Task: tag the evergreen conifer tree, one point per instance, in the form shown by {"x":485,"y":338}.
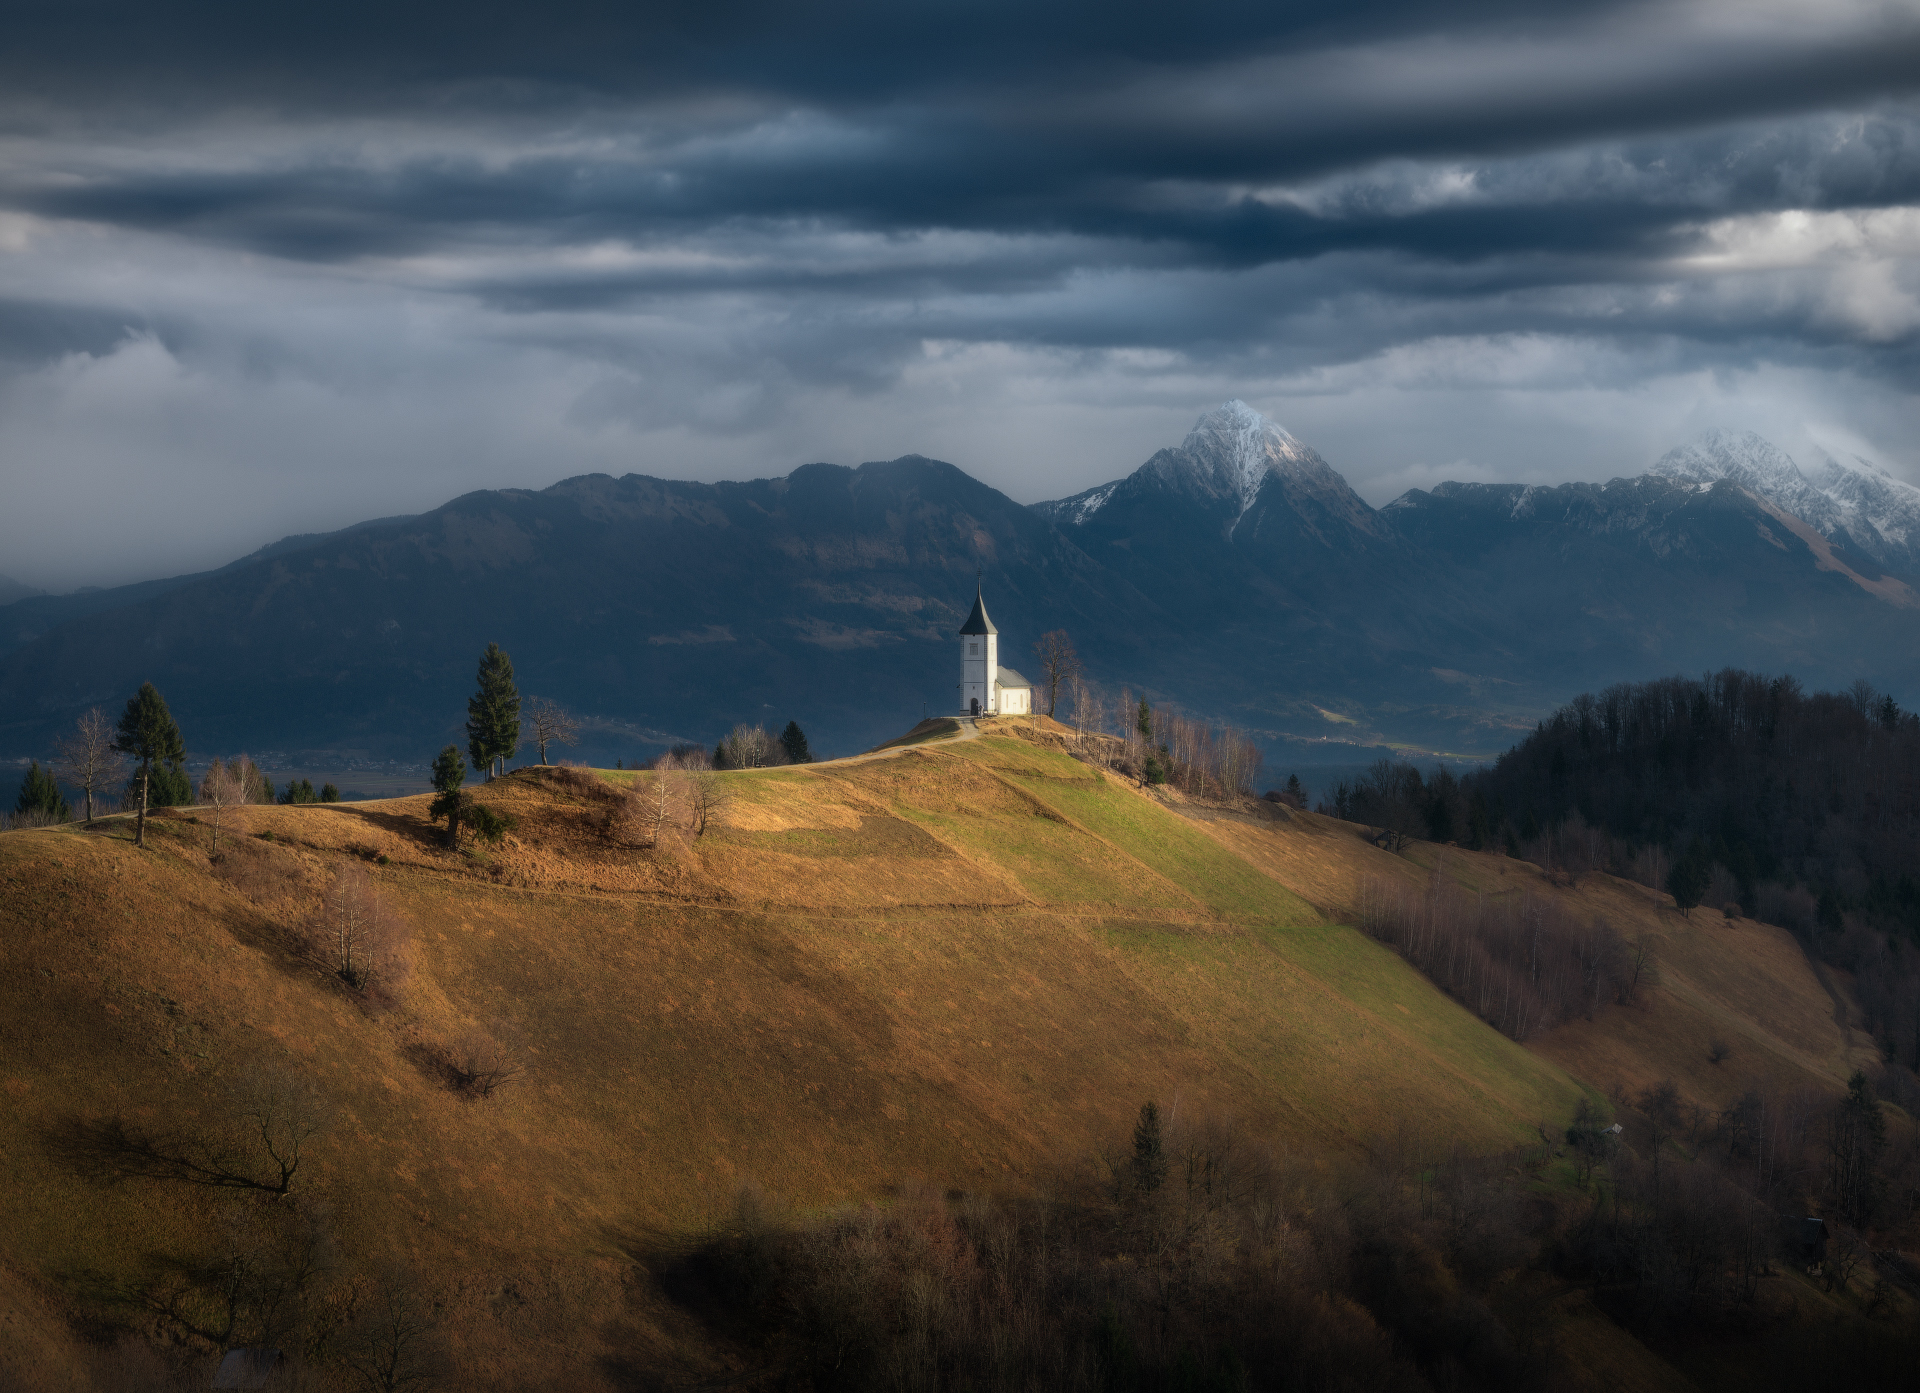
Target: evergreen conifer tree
{"x":171,"y":787}
{"x":1149,"y":1150}
{"x":330,"y":794}
{"x":794,"y":741}
{"x":1687,"y":881}
{"x":40,"y":793}
{"x":493,"y":713}
{"x":720,"y":755}
{"x":149,"y":733}
{"x":448,"y":774}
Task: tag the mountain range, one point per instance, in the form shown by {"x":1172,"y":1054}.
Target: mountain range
{"x":1237,"y":574}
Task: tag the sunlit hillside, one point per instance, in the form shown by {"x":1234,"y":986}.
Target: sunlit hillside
{"x":959,"y":962}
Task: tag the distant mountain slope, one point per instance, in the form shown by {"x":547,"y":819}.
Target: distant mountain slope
{"x":1447,"y":613}
{"x":11,"y":590}
{"x":657,"y":610}
{"x":1236,"y":573}
{"x":1649,"y":575}
{"x":41,"y":613}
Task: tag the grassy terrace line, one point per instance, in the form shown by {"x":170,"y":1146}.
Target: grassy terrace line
{"x":955,"y":965}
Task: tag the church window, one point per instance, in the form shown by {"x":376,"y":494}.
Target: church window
{"x":973,"y":649}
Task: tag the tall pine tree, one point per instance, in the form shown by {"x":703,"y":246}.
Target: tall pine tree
{"x":149,"y":733}
{"x":493,"y":713}
{"x":794,"y":741}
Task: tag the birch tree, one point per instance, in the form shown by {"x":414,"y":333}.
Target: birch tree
{"x":88,"y":759}
{"x":224,"y":787}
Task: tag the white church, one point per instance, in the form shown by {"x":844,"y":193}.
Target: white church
{"x":986,"y":688}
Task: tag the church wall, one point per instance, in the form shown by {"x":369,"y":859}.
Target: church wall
{"x":979,"y":660}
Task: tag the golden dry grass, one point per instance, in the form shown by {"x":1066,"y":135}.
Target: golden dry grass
{"x":963,"y":963}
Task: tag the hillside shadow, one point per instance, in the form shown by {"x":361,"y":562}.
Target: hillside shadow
{"x":113,"y":1149}
{"x":718,"y":1285}
{"x":402,"y":825}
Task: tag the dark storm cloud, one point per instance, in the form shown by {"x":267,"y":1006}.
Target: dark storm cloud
{"x":259,"y":237}
{"x":1640,"y":200}
{"x":393,"y":56}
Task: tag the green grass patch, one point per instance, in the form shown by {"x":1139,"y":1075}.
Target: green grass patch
{"x":1150,"y":834}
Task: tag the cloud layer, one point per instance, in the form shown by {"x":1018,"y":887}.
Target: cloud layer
{"x":265,"y":273}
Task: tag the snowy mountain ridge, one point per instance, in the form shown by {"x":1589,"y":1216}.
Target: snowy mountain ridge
{"x":1854,"y":500}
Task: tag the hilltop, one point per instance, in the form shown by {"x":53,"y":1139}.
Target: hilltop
{"x":963,"y":962}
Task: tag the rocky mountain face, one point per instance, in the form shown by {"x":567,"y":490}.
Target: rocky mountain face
{"x":1868,"y":515}
{"x":1236,"y":573}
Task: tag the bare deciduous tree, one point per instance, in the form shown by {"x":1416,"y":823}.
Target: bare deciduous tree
{"x":486,"y":1057}
{"x":708,"y":796}
{"x":551,"y":725}
{"x":1058,"y":662}
{"x":257,"y":786}
{"x":224,"y":787}
{"x":663,"y":797}
{"x":88,"y":758}
{"x":1640,"y":970}
{"x":357,"y":936}
{"x":752,"y":747}
{"x":391,"y":1345}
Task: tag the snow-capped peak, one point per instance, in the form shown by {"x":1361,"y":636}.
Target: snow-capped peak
{"x":1229,"y":456}
{"x":1855,"y":499}
{"x":1235,"y":448}
{"x":1750,"y":460}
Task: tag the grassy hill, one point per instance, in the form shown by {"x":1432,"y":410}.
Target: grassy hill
{"x":955,"y":963}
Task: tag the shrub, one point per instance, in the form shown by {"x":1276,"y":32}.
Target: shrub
{"x":484,"y":1059}
{"x":489,"y":826}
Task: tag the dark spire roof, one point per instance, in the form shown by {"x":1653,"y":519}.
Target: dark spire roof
{"x":977,"y":622}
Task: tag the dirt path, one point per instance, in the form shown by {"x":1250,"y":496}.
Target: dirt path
{"x":968,"y":731}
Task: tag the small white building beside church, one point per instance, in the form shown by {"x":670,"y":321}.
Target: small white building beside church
{"x":986,"y":688}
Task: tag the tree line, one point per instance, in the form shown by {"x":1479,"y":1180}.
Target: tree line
{"x":1159,"y":744}
{"x":1737,"y":790}
{"x":1524,"y":965}
{"x":1188,"y":1257}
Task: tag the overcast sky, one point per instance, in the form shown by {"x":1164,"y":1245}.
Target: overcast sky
{"x":266,"y":272}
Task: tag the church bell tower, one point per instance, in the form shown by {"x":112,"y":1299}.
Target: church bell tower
{"x":979,"y":660}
